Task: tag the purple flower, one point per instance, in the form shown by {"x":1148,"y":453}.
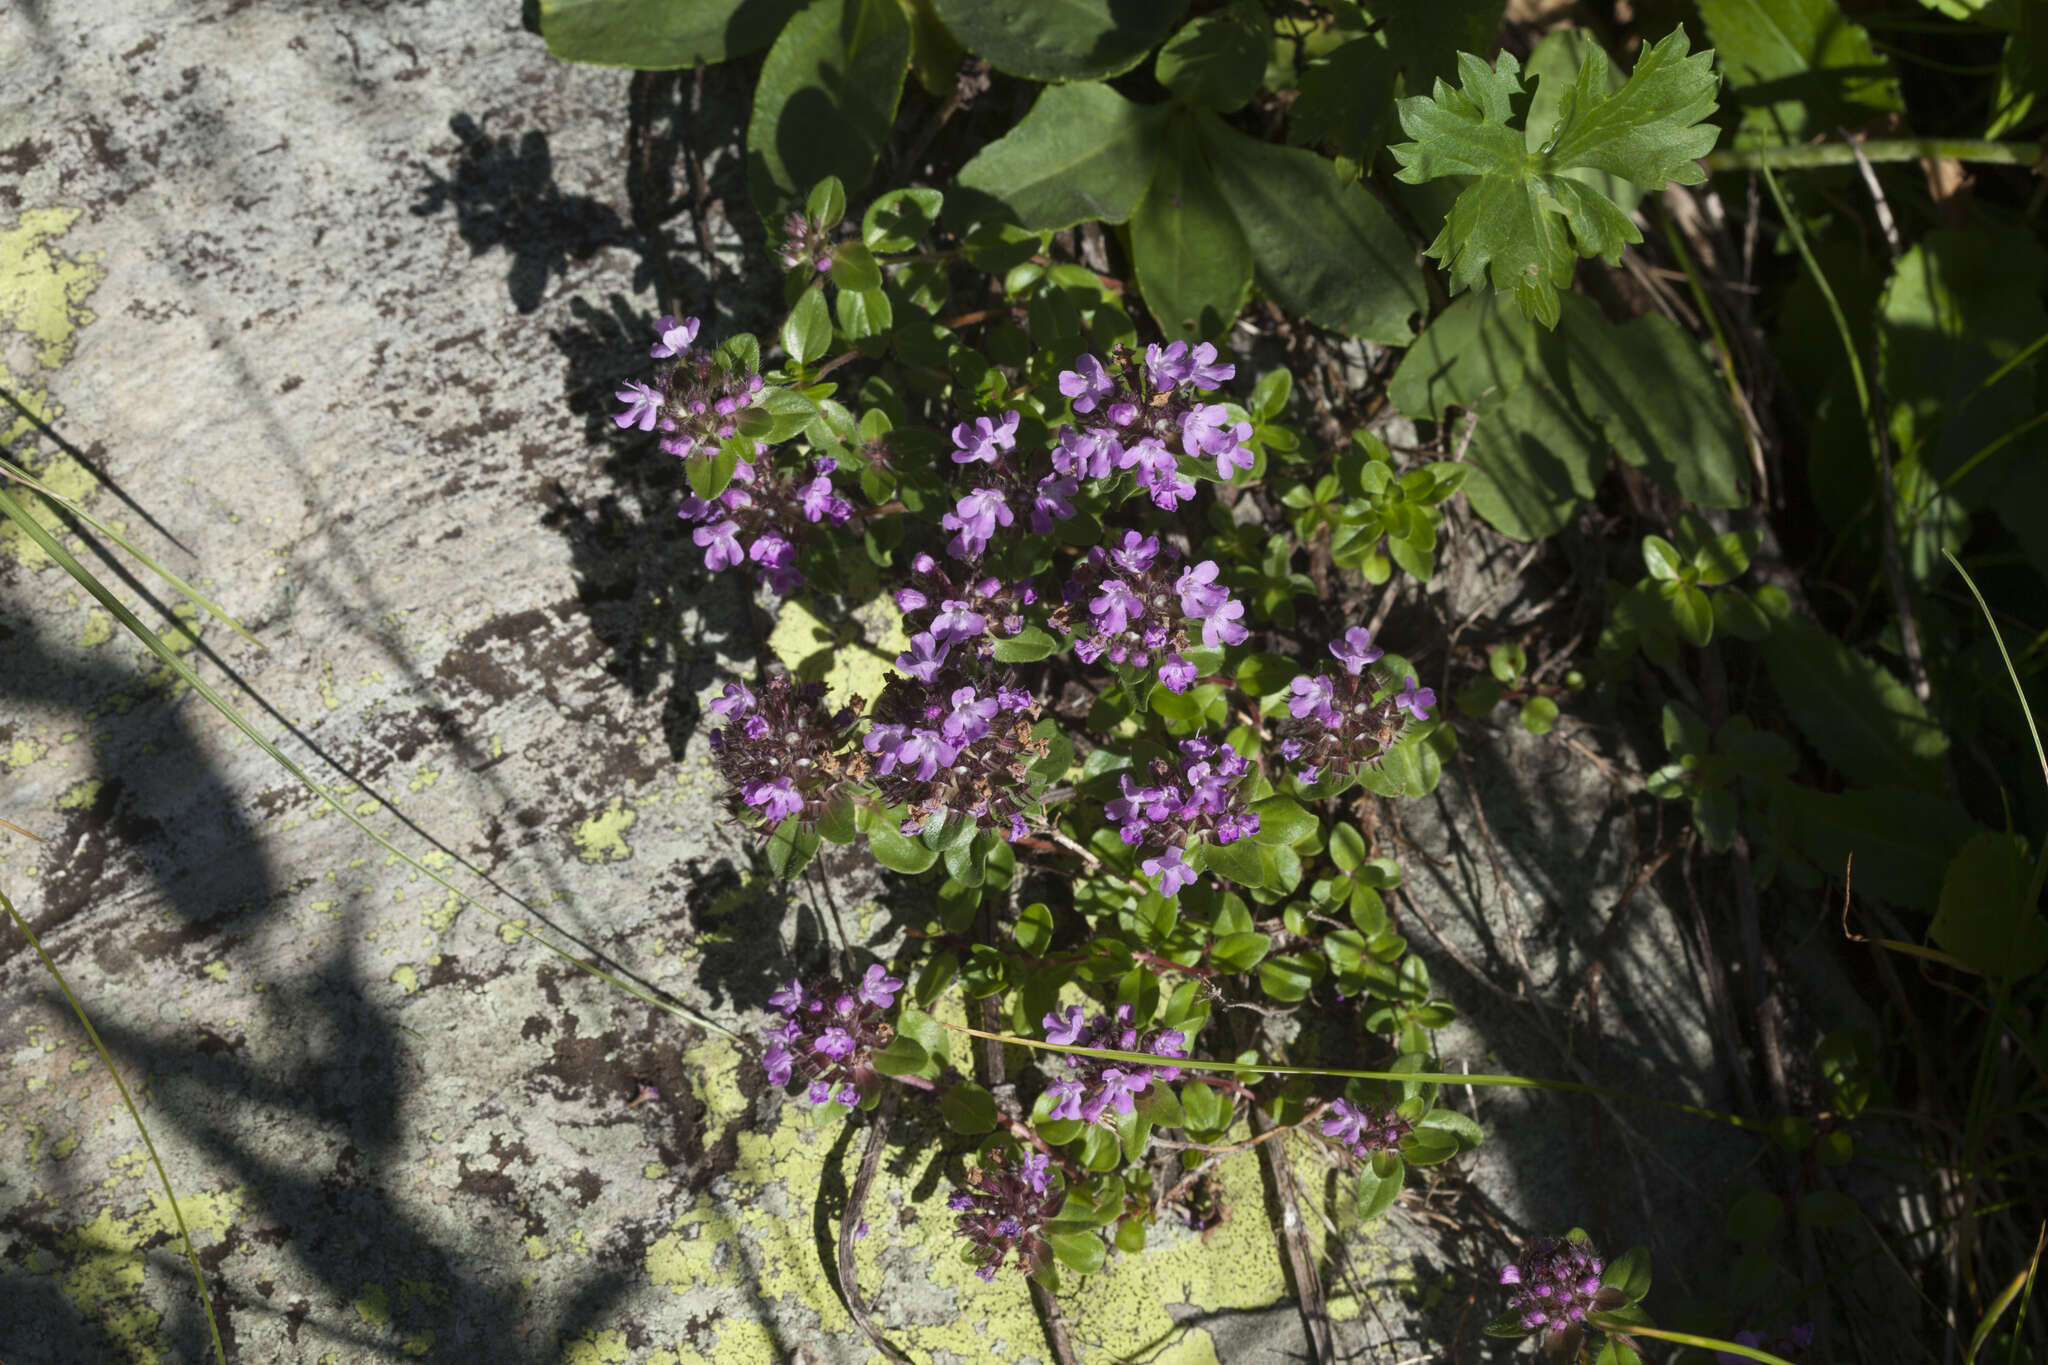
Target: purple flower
{"x":969,"y":718}
{"x":1173,"y":873}
{"x":1038,"y":1171}
{"x":1206,"y":373}
{"x":821,"y":503}
{"x":1064,"y":1026}
{"x":1199,"y":594}
{"x":1364,"y":1132}
{"x":1556,"y":1282}
{"x":1115,"y":607}
{"x":878,"y":988}
{"x":778,"y":800}
{"x":957,"y":621}
{"x":1356,"y":650}
{"x":834,"y":1042}
{"x":1049,"y":502}
{"x":736,"y":701}
{"x":1311,"y":697}
{"x":779,"y":1062}
{"x":672,"y":338}
{"x":772,"y":550}
{"x":1416,"y":701}
{"x":1221,"y":627}
{"x":721,"y":544}
{"x":1231,"y":453}
{"x":643,"y":406}
{"x":1205,"y":429}
{"x":1134,"y":553}
{"x":1067,"y":1096}
{"x":925,"y":750}
{"x":926,"y":657}
{"x":975,"y":517}
{"x":1087,"y":454}
{"x":983,"y":439}
{"x":1177,"y":674}
{"x":790,"y":998}
{"x":1086,"y":383}
{"x":1168,"y":366}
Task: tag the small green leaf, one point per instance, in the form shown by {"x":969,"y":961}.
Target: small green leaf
{"x":1376,"y":1191}
{"x":1735,"y":614}
{"x":1282,"y":821}
{"x":1754,"y":1216}
{"x":904,"y":1056}
{"x":898,"y":220}
{"x":1692,"y":614}
{"x":1027,"y":646}
{"x":1241,"y":952}
{"x":854,"y":268}
{"x":1238,"y":862}
{"x":1347,"y":847}
{"x":1507,"y":662}
{"x":1539,"y":715}
{"x":968,"y":1108}
{"x":1288,"y":979}
{"x":1661,"y":558}
{"x":1034,"y":928}
{"x":1629,"y":1273}
{"x":826,"y":203}
{"x":864,"y":313}
{"x":1071,"y":40}
{"x":808,"y":330}
{"x":1080,"y":1252}
{"x":899,"y":854}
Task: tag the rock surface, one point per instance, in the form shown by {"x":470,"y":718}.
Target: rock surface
{"x":322,"y":303}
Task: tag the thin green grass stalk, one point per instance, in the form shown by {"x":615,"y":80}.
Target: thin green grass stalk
{"x":2012,"y":1353}
{"x":199,"y":599}
{"x":1996,"y":1309}
{"x":177,"y":1214}
{"x":1427,"y":1077}
{"x":2025,"y":354}
{"x":12,"y":509}
{"x":1806,"y":158}
{"x":2040,"y":754}
{"x":1736,"y":1348}
{"x":1992,"y":447}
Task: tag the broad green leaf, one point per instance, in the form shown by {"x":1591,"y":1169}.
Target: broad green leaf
{"x":1347,"y":100}
{"x":1535,"y":459}
{"x":1629,"y":1273}
{"x":1060,"y":40}
{"x":2022,"y":73}
{"x":1282,"y":820}
{"x":1427,"y":38}
{"x":1217,"y":60}
{"x":1649,"y":388}
{"x":899,"y":854}
{"x":1958,"y":307}
{"x":1083,"y":152}
{"x":826,"y":203}
{"x":1288,"y":979}
{"x":1323,"y":246}
{"x":1080,"y":1252}
{"x":1474,"y":354}
{"x":1902,"y":842}
{"x":1194,"y":264}
{"x":904,"y":1056}
{"x":1027,"y":646}
{"x":1983,"y":917}
{"x":791,"y":848}
{"x":826,"y":98}
{"x":1238,"y":862}
{"x":660,"y":35}
{"x":1798,"y":67}
{"x":1241,"y":952}
{"x":1522,"y":223}
{"x":1692,"y":613}
{"x":1859,"y":716}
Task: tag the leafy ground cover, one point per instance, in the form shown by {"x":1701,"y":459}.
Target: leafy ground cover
{"x":1145,"y":384}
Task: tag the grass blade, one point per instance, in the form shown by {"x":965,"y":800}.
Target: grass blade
{"x":191,"y":1256}
{"x":14,"y":511}
{"x":199,"y":599}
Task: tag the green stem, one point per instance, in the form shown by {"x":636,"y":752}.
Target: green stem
{"x":1806,"y":158}
{"x":178,"y":1215}
{"x":1624,"y":1328}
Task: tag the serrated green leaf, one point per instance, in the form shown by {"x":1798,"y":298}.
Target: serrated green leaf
{"x":826,"y":98}
{"x":1853,"y":710}
{"x":1902,"y":841}
{"x":1083,"y":152}
{"x":1522,"y":223}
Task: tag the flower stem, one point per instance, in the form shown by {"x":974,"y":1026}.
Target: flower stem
{"x":1882,"y":149}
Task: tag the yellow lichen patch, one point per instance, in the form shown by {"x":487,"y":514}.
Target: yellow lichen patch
{"x":596,"y":1348}
{"x":23,"y":752}
{"x":407,"y":978}
{"x":81,"y":796}
{"x":602,"y":838}
{"x":373,"y":1306}
{"x":852,"y":657}
{"x":103,"y":1264}
{"x":99,"y":628}
{"x":42,"y":291}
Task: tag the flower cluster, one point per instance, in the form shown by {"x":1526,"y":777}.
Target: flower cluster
{"x":952,"y":734}
{"x":1095,"y":1086}
{"x":961,"y":609}
{"x":828,"y":1034}
{"x":1363,"y":1131}
{"x":1145,"y":419}
{"x":1005,"y":1208}
{"x":697,"y":403}
{"x":805,"y":241}
{"x":1201,"y":796}
{"x":762,"y":516}
{"x":1006,"y":484}
{"x":784,"y":753}
{"x":1555,"y":1284}
{"x":1339,"y":725}
{"x":1135,"y":603}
